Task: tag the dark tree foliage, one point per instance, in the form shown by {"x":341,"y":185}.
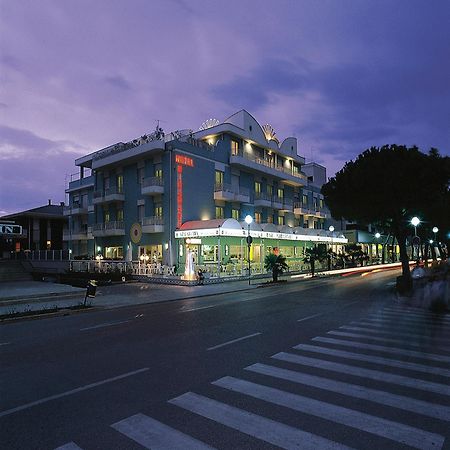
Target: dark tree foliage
{"x":387,"y":186}
{"x":313,"y":254}
{"x":276,"y":263}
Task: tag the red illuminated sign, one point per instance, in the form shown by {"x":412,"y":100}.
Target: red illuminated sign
{"x":184,"y":160}
{"x":179,"y":196}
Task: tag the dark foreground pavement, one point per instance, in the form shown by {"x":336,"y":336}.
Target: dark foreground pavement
{"x":331,"y":363}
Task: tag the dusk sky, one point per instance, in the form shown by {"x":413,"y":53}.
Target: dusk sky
{"x":341,"y":76}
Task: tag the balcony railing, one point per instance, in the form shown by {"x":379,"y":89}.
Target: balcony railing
{"x":154,"y":224}
{"x":75,"y":209}
{"x":302,"y":179}
{"x":227,"y":192}
{"x":152,"y":186}
{"x":263,"y":199}
{"x":115,"y":228}
{"x":112,"y":194}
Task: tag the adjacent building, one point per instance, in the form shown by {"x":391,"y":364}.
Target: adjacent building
{"x":162,"y":195}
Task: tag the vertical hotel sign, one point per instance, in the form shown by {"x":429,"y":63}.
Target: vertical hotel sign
{"x":180,"y":161}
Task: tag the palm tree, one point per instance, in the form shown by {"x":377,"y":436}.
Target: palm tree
{"x":313,"y":254}
{"x":276,"y":264}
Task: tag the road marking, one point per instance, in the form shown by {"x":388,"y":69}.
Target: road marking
{"x":430,"y":339}
{"x":417,"y":313}
{"x":404,"y":323}
{"x":155,"y":435}
{"x":376,"y":375}
{"x":199,"y":308}
{"x":71,"y":392}
{"x":251,"y":424}
{"x":102,"y":325}
{"x":353,"y":390}
{"x":233,"y":341}
{"x":374,"y":359}
{"x":382,"y":348}
{"x":69,"y":446}
{"x":416,"y":318}
{"x":377,"y":339}
{"x":310,"y":317}
{"x":394,"y":431}
{"x":5,"y":343}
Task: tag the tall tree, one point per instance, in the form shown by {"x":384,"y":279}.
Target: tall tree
{"x":387,"y":186}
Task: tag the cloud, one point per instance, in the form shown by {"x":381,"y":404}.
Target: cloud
{"x":118,"y":82}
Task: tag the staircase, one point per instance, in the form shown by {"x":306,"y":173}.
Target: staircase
{"x":13,"y":271}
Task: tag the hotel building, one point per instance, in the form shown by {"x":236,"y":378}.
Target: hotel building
{"x":163,"y":194}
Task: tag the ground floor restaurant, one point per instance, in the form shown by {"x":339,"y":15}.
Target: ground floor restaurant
{"x":220,"y":248}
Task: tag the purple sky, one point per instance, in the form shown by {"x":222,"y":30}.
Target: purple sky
{"x":341,"y":75}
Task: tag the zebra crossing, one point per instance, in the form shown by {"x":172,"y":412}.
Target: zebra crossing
{"x":380,"y":382}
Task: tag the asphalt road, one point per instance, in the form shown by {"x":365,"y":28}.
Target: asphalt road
{"x":221,"y":372}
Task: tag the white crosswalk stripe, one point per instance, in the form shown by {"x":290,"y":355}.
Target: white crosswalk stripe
{"x":384,"y":349}
{"x":69,"y":446}
{"x":287,"y":390}
{"x":355,"y":419}
{"x":379,"y":329}
{"x":416,"y":325}
{"x":353,"y":390}
{"x":417,"y":312}
{"x":259,"y":427}
{"x":155,"y":435}
{"x":376,"y":375}
{"x":373,"y":359}
{"x":407,"y":318}
{"x":406,"y":342}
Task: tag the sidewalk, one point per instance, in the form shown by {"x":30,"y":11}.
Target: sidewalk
{"x":36,"y":295}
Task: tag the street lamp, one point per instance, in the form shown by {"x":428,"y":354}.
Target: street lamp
{"x":248,"y":220}
{"x":415,"y":222}
{"x":377,"y":236}
{"x":331,"y":228}
{"x":435,"y":230}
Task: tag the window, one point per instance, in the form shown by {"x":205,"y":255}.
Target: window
{"x":305,"y":200}
{"x":158,"y":210}
{"x":315,"y":203}
{"x":257,"y":217}
{"x":114,"y":252}
{"x":257,"y":187}
{"x":219,"y":212}
{"x":305,"y":224}
{"x":76,"y":200}
{"x":280,"y":220}
{"x":270,"y":218}
{"x":106,"y":183}
{"x":280,"y":193}
{"x":234,"y":147}
{"x":219,"y":178}
{"x":235,"y":214}
{"x":269,"y":190}
{"x":140,"y":175}
{"x":119,"y":184}
{"x":210,"y":252}
{"x":158,"y":171}
{"x":141,"y":212}
{"x":321,"y":203}
{"x":120,"y":215}
{"x":106,"y":216}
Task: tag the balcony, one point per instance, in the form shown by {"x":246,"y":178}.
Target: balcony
{"x":287,"y":206}
{"x":76,"y":209}
{"x":301,"y":209}
{"x":105,"y":229}
{"x":108,"y":196}
{"x":322,"y":214}
{"x":261,"y":165}
{"x":277,"y":203}
{"x":78,"y":235}
{"x":262,"y":199}
{"x":228,"y":193}
{"x":81,"y":183}
{"x":153,"y":224}
{"x":152,"y":186}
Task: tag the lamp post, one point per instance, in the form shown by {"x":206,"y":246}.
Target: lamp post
{"x":248,"y":220}
{"x":435,"y":230}
{"x":415,"y":221}
{"x":377,"y":236}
